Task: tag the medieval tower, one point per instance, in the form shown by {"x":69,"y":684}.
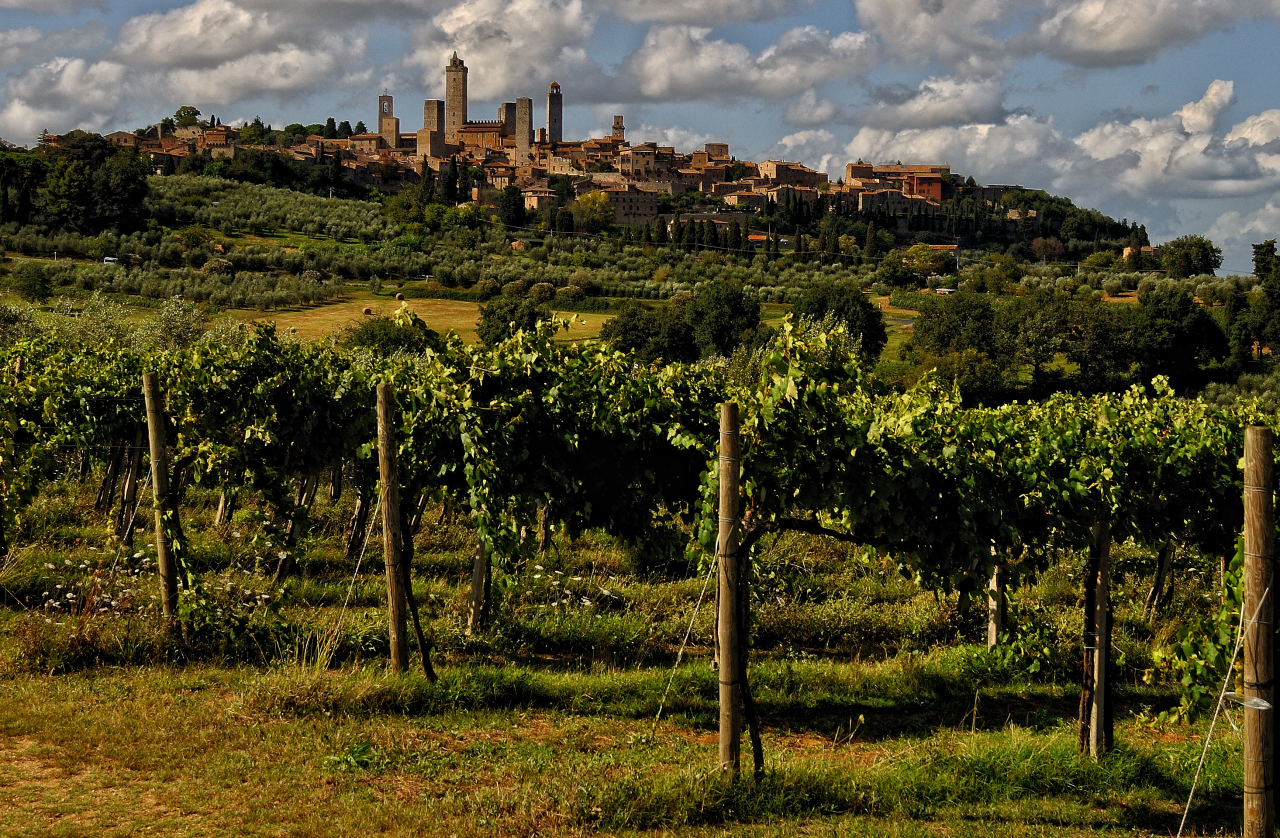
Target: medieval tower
{"x":555,"y":113}
{"x":388,"y":125}
{"x":524,"y":127}
{"x":455,"y":98}
{"x":619,"y":130}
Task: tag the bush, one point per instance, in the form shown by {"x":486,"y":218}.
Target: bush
{"x":31,"y":282}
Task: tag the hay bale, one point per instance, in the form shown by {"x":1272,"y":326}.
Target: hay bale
{"x":368,"y":311}
{"x":399,"y":296}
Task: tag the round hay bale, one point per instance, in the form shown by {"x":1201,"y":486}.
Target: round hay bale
{"x":399,"y":296}
{"x":368,"y":311}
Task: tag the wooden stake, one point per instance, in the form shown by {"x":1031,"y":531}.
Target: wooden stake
{"x":997,"y":607}
{"x":160,"y":491}
{"x":129,"y":491}
{"x":392,"y":546}
{"x":1259,"y":635}
{"x":1100,"y":717}
{"x":727,"y":587}
{"x":481,"y":583}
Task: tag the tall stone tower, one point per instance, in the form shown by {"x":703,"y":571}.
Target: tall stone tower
{"x":455,"y":98}
{"x":555,"y":113}
{"x":431,"y":137}
{"x":433,"y":115}
{"x":507,"y":116}
{"x":388,"y":125}
{"x":619,"y":130}
{"x":524,"y":127}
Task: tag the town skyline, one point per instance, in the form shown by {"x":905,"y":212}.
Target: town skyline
{"x":1163,"y":112}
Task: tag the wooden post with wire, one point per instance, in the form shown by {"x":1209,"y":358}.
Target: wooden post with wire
{"x":1257,"y":612}
{"x":392,"y":544}
{"x":166,"y":565}
{"x":728,"y":620}
{"x":1100,"y":711}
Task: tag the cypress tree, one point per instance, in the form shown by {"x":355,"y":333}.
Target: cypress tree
{"x":660,"y":234}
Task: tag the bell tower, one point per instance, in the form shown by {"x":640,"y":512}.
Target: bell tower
{"x":455,"y":99}
{"x":388,"y":124}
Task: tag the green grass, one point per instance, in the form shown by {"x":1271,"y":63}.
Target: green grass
{"x":881,"y":715}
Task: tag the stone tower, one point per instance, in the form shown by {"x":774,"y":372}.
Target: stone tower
{"x":433,"y":115}
{"x":507,"y":116}
{"x":524,"y":128}
{"x":388,"y":125}
{"x":619,"y":130}
{"x":455,"y":98}
{"x":555,"y":113}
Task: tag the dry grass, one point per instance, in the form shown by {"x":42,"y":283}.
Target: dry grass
{"x":457,"y":316}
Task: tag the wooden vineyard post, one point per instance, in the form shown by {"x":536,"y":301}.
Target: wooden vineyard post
{"x":1257,"y":612}
{"x":1100,"y":717}
{"x":997,"y":607}
{"x":160,"y":491}
{"x":729,"y":579}
{"x":481,"y":584}
{"x":392,"y":547}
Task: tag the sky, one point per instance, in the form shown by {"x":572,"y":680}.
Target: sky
{"x":1160,"y":111}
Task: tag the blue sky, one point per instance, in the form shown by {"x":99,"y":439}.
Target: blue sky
{"x":1163,"y":111}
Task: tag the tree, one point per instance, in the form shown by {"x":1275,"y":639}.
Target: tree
{"x":1190,"y":256}
{"x":94,"y":185}
{"x":723,"y":317}
{"x":31,"y":281}
{"x":345,"y":130}
{"x":186,"y":117}
{"x":330,"y":129}
{"x":511,"y":206}
{"x":923,"y":261}
{"x":359,"y":129}
{"x":894,"y":271}
{"x":664,"y":334}
{"x":505,"y":315}
{"x":386,"y":336}
{"x":1173,"y":335}
{"x":847,"y":302}
{"x":564,"y":220}
{"x":592,"y":213}
{"x":1264,"y":259}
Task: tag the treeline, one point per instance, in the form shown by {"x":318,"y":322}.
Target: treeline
{"x":1053,"y":338}
{"x":84,"y":185}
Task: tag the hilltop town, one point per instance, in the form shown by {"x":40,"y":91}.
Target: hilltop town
{"x":512,"y":151}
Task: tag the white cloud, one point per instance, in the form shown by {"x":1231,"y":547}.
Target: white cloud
{"x":1112,"y":33}
{"x":944,"y":101}
{"x":810,"y":110}
{"x":1201,"y":117}
{"x":683,"y":139}
{"x":22,"y":46}
{"x":63,"y":94}
{"x":510,"y":46}
{"x":682,"y":63}
{"x":1260,"y":129}
{"x":1235,"y":230}
{"x":982,"y":36}
{"x":709,"y":12}
{"x":1143,"y":158}
{"x":284,"y":71}
{"x":957,"y":33}
{"x":818,"y":149}
{"x":204,"y":34}
{"x":53,"y":6}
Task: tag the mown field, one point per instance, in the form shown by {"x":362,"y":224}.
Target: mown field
{"x":883,"y":714}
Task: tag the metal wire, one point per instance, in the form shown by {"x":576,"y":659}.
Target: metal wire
{"x":680,"y":655}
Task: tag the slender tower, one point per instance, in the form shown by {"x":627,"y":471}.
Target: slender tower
{"x":388,"y":124}
{"x":555,"y":113}
{"x":619,"y":130}
{"x":524,"y":128}
{"x":455,"y":99}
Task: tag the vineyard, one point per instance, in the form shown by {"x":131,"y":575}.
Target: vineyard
{"x":266,"y":524}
